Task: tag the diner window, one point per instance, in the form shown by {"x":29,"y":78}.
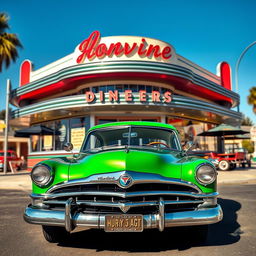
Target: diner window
{"x":104,"y":121}
{"x":126,"y":86}
{"x":61,"y":133}
{"x":47,"y":144}
{"x":48,"y":137}
{"x":148,"y":89}
{"x":57,"y":133}
{"x":188,"y":131}
{"x":134,"y":87}
{"x":95,"y":89}
{"x":120,"y":88}
{"x":142,"y":87}
{"x":103,"y":88}
{"x":110,"y":88}
{"x":35,"y":143}
{"x":78,"y":127}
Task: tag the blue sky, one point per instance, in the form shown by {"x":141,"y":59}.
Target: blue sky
{"x":205,"y":32}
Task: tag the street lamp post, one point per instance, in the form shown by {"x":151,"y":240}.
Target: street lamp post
{"x":8,"y":87}
{"x":236,"y":77}
{"x":239,"y":60}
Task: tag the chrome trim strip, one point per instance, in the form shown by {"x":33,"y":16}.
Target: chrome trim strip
{"x":78,"y":101}
{"x":189,"y":218}
{"x":118,"y":66}
{"x":129,"y":66}
{"x":123,"y":194}
{"x":113,"y":178}
{"x":128,"y":204}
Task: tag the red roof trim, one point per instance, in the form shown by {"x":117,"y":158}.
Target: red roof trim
{"x":179,"y":83}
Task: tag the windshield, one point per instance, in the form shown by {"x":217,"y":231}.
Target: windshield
{"x":147,"y":137}
{"x":2,"y":154}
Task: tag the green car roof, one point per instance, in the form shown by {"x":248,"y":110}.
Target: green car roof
{"x":136,"y":123}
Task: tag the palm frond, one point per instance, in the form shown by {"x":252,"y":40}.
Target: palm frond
{"x":3,"y":22}
{"x":8,"y":49}
{"x":8,"y":43}
{"x":13,"y":38}
{"x":252,"y":97}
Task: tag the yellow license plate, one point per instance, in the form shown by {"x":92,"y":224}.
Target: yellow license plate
{"x":124,"y":223}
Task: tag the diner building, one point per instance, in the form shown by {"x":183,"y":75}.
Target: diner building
{"x":120,"y":78}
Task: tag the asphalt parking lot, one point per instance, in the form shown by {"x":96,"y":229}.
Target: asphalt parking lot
{"x":234,"y":235}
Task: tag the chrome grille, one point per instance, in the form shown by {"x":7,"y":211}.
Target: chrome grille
{"x":138,"y":199}
{"x":134,"y":188}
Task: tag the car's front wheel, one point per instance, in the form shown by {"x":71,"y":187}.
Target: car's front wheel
{"x":55,"y":234}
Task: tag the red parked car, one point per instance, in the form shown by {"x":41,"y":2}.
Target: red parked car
{"x":16,"y":161}
{"x":228,"y":161}
{"x":232,"y":159}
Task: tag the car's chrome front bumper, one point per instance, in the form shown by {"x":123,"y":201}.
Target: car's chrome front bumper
{"x":161,"y":220}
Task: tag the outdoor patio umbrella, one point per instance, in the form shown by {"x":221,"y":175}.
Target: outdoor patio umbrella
{"x":34,"y":130}
{"x":222,"y":130}
{"x":238,"y":137}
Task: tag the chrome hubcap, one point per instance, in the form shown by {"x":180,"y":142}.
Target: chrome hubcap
{"x":223,"y":165}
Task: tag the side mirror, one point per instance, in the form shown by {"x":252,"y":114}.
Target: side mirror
{"x":188,"y":145}
{"x":68,"y":146}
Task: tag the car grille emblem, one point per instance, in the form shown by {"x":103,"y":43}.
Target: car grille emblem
{"x":125,"y":180}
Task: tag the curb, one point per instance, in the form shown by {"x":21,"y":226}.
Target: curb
{"x":242,"y":182}
{"x":23,"y":172}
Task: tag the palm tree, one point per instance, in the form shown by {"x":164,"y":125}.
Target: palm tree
{"x":8,"y":43}
{"x":252,"y":98}
{"x":245,"y":120}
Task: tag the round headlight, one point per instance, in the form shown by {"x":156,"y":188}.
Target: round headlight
{"x":206,"y":174}
{"x":41,"y":175}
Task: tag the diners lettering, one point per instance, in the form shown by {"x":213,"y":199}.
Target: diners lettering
{"x":91,"y":48}
{"x":113,"y":96}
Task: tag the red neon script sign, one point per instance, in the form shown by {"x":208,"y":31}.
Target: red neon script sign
{"x":91,"y":48}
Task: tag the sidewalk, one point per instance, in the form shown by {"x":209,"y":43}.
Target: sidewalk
{"x":239,"y":175}
{"x":17,"y":181}
{"x":22,"y":181}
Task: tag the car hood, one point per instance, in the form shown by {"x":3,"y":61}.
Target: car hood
{"x":165,"y":164}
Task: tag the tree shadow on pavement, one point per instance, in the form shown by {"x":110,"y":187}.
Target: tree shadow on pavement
{"x":223,"y":233}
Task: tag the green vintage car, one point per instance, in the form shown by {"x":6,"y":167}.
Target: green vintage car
{"x":128,"y":177}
